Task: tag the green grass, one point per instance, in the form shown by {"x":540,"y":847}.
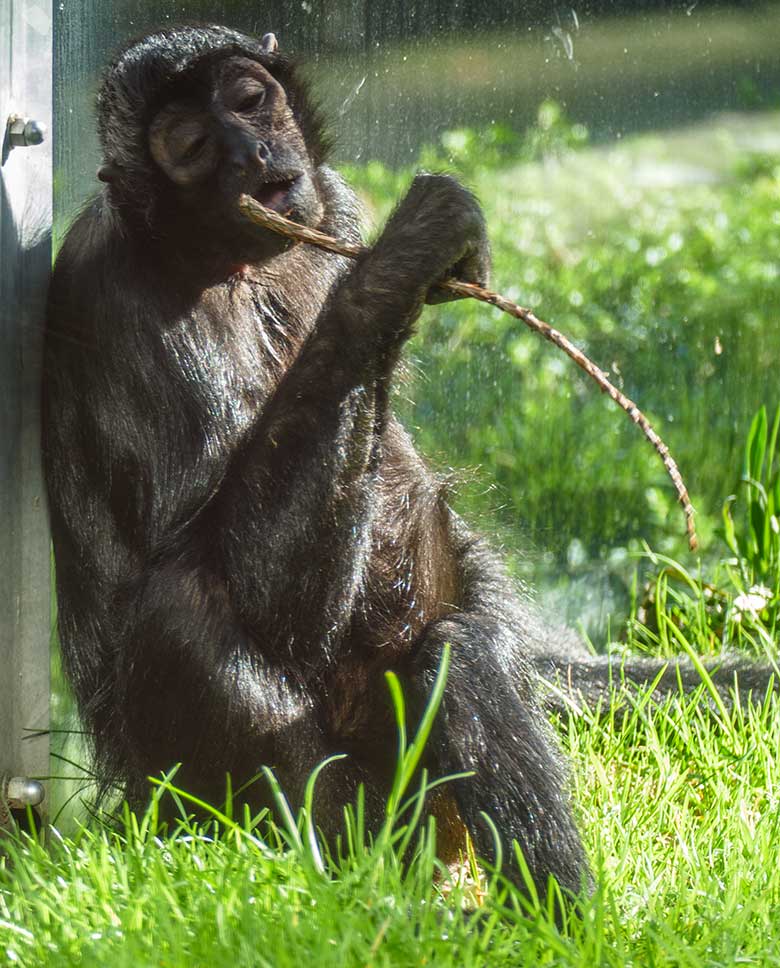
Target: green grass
{"x":680,"y":809}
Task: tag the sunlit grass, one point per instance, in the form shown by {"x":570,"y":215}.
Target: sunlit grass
{"x":679,"y":806}
{"x":680,"y":812}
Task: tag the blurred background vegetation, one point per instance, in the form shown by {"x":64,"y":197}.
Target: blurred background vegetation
{"x":663,"y":266}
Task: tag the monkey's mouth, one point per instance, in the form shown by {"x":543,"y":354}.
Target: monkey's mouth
{"x":275,"y":195}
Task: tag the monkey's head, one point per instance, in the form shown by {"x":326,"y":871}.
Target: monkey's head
{"x":192,"y":117}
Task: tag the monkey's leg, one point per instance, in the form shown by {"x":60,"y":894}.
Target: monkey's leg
{"x":193,"y":688}
{"x":490,"y":722}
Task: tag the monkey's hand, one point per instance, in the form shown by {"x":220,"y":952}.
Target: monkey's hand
{"x":438,"y":232}
{"x":475,"y":263}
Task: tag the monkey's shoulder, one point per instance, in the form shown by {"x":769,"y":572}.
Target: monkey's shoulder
{"x":96,"y":239}
{"x":104,"y":283}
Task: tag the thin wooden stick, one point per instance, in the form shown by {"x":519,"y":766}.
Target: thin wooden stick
{"x":268,"y":219}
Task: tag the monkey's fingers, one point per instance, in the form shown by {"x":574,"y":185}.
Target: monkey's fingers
{"x":473,"y":269}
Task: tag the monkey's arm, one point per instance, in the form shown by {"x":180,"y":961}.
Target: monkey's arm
{"x":300,"y":490}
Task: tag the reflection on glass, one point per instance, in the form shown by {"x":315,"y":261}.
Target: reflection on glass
{"x":627,"y":164}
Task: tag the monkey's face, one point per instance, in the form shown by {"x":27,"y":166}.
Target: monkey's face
{"x":231,"y":132}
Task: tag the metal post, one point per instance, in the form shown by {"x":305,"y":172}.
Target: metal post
{"x":25,"y":262}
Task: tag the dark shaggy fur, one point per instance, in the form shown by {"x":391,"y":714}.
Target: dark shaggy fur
{"x":245,"y":537}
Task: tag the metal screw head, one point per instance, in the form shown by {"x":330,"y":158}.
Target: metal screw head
{"x":22,"y":791}
{"x":25,"y":132}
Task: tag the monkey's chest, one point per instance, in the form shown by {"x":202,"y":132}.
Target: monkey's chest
{"x":226,"y":358}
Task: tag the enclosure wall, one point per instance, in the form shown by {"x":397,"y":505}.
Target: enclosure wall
{"x":25,"y":258}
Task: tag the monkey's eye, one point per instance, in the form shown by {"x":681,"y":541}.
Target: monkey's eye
{"x":251,"y":101}
{"x":190,"y":152}
{"x":181,"y":144}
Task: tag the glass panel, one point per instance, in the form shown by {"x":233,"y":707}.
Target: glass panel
{"x":618,"y":150}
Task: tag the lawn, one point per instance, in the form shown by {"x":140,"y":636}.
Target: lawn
{"x":680,"y":809}
{"x":661,"y":259}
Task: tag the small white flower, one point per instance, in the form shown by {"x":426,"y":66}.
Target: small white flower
{"x":752,"y":601}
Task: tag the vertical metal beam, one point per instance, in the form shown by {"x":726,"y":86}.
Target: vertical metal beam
{"x":25,"y":262}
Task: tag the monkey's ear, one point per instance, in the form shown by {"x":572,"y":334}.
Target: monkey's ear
{"x":269,"y":43}
{"x":108,"y":173}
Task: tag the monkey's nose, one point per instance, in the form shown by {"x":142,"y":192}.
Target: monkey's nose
{"x":250,"y":159}
{"x":245,"y":154}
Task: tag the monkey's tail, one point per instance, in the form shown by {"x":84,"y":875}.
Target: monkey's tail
{"x":581,"y":682}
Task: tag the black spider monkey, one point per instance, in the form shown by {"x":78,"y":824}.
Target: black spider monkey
{"x":245,"y":538}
